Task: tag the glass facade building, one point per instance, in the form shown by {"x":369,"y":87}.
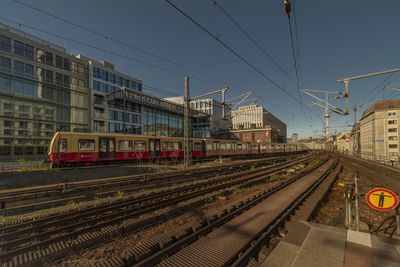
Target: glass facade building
{"x":158,"y":117}
{"x":42,"y":90}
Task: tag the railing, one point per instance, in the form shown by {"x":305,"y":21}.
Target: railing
{"x":31,"y":37}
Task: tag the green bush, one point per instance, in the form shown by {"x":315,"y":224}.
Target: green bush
{"x":274,"y":177}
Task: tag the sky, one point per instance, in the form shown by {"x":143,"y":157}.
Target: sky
{"x":152,"y":41}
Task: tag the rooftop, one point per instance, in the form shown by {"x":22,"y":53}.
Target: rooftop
{"x":382,"y":105}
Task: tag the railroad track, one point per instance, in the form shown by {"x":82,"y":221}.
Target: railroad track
{"x":31,"y":241}
{"x":379,"y":174}
{"x":197,"y":246}
{"x":18,"y":201}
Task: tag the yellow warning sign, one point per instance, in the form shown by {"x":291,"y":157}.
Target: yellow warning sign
{"x":382,"y":199}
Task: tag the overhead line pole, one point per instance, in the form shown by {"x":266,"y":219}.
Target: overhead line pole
{"x":187,"y":135}
{"x":186,"y":127}
{"x":346,"y":82}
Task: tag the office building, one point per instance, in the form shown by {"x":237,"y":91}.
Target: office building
{"x":107,"y":116}
{"x":42,"y":90}
{"x":379,"y":132}
{"x":253,"y":123}
{"x":217,"y":121}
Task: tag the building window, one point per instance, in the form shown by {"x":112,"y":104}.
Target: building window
{"x":392,"y":122}
{"x":49,"y":58}
{"x":5,"y":43}
{"x":28,"y":70}
{"x":67,"y":64}
{"x":59,"y":78}
{"x":392,"y":130}
{"x":74,"y":66}
{"x":393,"y":146}
{"x":391,"y":138}
{"x":393,"y":154}
{"x":391,"y":113}
{"x":86,"y":145}
{"x":29,"y":52}
{"x":19,"y":67}
{"x":18,"y":48}
{"x":49,"y":76}
{"x":59,"y":63}
{"x":5,"y":63}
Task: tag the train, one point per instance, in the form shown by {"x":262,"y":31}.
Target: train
{"x":72,"y":148}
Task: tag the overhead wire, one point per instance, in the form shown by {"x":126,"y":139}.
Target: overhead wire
{"x":107,"y":37}
{"x":373,"y":89}
{"x":122,"y":43}
{"x":233,"y":51}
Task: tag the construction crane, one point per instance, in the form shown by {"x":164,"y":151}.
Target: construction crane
{"x":346,"y":82}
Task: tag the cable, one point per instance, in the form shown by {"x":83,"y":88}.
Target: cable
{"x":297,"y":43}
{"x":233,"y":51}
{"x":252,"y":40}
{"x":373,"y":89}
{"x":121,"y":42}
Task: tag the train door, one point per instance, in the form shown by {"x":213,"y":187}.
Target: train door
{"x":154,"y":148}
{"x":203,"y":148}
{"x":106,"y":148}
{"x":216,"y":148}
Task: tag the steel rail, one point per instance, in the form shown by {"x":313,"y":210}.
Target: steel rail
{"x":157,"y":256}
{"x":122,"y":214}
{"x":254,"y":245}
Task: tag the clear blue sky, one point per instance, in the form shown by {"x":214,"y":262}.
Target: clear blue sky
{"x":338,"y":38}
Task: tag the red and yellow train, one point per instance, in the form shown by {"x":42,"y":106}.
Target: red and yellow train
{"x":68,"y":148}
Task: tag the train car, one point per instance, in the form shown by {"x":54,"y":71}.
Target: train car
{"x":68,"y":148}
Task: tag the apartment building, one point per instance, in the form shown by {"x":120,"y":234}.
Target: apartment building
{"x":343,"y":142}
{"x":379,"y":131}
{"x":42,"y":90}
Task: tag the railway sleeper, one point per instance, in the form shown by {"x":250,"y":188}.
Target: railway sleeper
{"x":84,"y":237}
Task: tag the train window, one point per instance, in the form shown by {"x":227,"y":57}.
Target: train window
{"x":63,"y":145}
{"x":167,"y":145}
{"x":178,"y":145}
{"x":222,"y":147}
{"x":228,"y":146}
{"x":209,"y":146}
{"x":125,"y":145}
{"x":239,"y":146}
{"x":197,"y":146}
{"x":216,"y":146}
{"x":254,"y":146}
{"x":140,"y":145}
{"x":86,"y":145}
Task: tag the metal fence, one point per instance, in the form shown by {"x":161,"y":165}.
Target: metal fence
{"x":384,"y":160}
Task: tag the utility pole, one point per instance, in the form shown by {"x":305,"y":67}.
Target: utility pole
{"x":346,"y":82}
{"x":187,"y":135}
{"x":186,"y":127}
